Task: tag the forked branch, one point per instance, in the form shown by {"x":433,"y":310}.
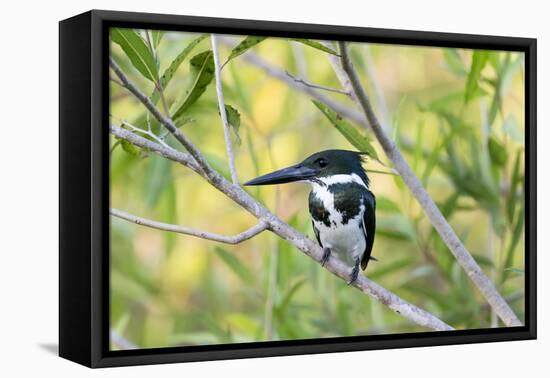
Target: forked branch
{"x":234,"y":239}
{"x":223,"y":114}
{"x":195,"y":161}
{"x":437,"y":219}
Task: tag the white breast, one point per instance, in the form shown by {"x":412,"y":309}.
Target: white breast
{"x":347,"y":241}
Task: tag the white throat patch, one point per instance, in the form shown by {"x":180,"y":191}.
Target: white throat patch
{"x":341,"y":179}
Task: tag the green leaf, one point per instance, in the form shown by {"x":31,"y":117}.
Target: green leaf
{"x":156,"y":36}
{"x":202,"y":73}
{"x":442,"y":104}
{"x":392,"y":267}
{"x":483,"y":260}
{"x":235,"y":265}
{"x":243,"y":46}
{"x":157,"y":176}
{"x":454,"y":62}
{"x":361,"y":142}
{"x":283,"y":307}
{"x":133,"y":149}
{"x":497,"y":152}
{"x":387,"y":205}
{"x":520,"y":219}
{"x":234,"y":120}
{"x":174,"y":65}
{"x":395,"y":226}
{"x":515,"y":270}
{"x":514,"y":182}
{"x":315,"y":45}
{"x":137,"y":51}
{"x":479,"y":60}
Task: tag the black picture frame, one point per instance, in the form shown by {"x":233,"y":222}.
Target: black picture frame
{"x":84,"y":192}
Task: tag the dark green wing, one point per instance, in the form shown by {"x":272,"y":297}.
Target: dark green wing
{"x":369,"y":226}
{"x":316,"y":231}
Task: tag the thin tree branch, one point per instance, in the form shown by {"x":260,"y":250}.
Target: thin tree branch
{"x":234,"y":239}
{"x":165,"y":151}
{"x":223,"y":114}
{"x":317,"y":86}
{"x":164,"y":120}
{"x":136,"y":129}
{"x":434,"y":214}
{"x":300,"y":241}
{"x":281,"y":75}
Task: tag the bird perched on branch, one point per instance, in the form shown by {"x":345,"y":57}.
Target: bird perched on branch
{"x":341,"y":205}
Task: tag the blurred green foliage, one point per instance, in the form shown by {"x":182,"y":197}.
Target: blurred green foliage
{"x":458,"y":115}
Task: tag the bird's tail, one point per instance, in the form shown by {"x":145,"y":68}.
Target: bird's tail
{"x":373,"y":258}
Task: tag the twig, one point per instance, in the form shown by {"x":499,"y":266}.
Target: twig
{"x":316,"y":86}
{"x":114,"y":80}
{"x":136,"y":129}
{"x":234,"y":239}
{"x":281,"y":75}
{"x":165,"y":151}
{"x":223,"y":114}
{"x":288,"y":233}
{"x":164,"y":120}
{"x":276,"y":225}
{"x":437,"y":219}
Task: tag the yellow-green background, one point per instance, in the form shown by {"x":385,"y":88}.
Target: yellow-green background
{"x":168,"y":289}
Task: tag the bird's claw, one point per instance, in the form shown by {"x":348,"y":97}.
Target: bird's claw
{"x":326,"y":256}
{"x":354,"y":273}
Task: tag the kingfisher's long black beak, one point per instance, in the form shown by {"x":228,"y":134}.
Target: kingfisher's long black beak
{"x":291,"y":174}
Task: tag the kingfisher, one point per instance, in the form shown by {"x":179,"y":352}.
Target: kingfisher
{"x":341,"y":205}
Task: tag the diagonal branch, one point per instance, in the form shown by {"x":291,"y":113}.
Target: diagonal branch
{"x":164,"y":120}
{"x":434,"y":214}
{"x":234,"y":239}
{"x":165,"y":151}
{"x":300,"y":241}
{"x":223,"y":114}
{"x":317,"y":86}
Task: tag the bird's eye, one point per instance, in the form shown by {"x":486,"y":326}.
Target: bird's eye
{"x":322,"y":162}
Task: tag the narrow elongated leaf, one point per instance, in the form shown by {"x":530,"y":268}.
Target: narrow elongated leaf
{"x":137,"y":51}
{"x":315,"y":45}
{"x":483,"y":260}
{"x":387,"y":205}
{"x":454,"y":62}
{"x":132,"y":149}
{"x":243,"y":46}
{"x":518,"y":228}
{"x":202,"y":73}
{"x":234,"y":120}
{"x":157,"y":177}
{"x":390,"y":268}
{"x":359,"y":141}
{"x":283,"y":307}
{"x":479,"y":60}
{"x":497,"y":152}
{"x":174,"y":65}
{"x":395,"y":226}
{"x":514,"y":182}
{"x":235,"y":265}
{"x":156,"y":37}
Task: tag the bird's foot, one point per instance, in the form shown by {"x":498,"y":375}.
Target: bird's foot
{"x":354,"y":273}
{"x":326,"y":256}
